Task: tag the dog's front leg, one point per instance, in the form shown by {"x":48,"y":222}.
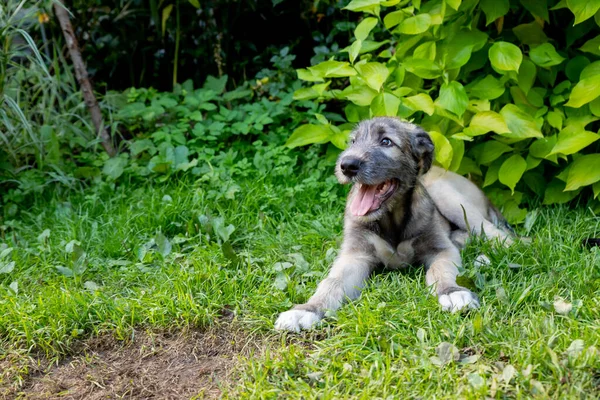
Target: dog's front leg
{"x":442,"y":270}
{"x":347,"y":277}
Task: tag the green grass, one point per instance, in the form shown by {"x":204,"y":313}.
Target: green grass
{"x":380,"y":346}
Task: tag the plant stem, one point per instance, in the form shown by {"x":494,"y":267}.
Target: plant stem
{"x":83,"y":78}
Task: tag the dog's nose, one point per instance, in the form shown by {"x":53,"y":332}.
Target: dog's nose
{"x":350,"y":166}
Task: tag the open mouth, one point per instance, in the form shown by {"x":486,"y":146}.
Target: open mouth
{"x":369,"y":198}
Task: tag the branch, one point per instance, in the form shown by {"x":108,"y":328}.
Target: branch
{"x":83,"y":78}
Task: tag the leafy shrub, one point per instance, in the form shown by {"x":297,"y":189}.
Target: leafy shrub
{"x":508,"y":89}
{"x":195,"y":128}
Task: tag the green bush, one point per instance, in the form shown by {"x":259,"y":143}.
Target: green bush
{"x":508,"y":90}
{"x":194,"y":129}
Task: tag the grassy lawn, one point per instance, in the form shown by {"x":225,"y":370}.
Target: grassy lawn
{"x":161,"y":256}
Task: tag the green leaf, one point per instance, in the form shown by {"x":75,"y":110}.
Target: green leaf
{"x":585,"y":91}
{"x":583,"y":9}
{"x":575,"y":65}
{"x":361,"y":95}
{"x":374,"y":74}
{"x":420,"y":102}
{"x":309,"y":134}
{"x":163,"y":244}
{"x":332,"y":69}
{"x":491,"y":175}
{"x":486,"y":121}
{"x":368,"y":6}
{"x":354,"y":50}
{"x":453,"y":98}
{"x":584,"y":171}
{"x":468,"y":166}
{"x":307,"y":75}
{"x":340,"y":139}
{"x":512,"y":170}
{"x":139,"y":146}
{"x":572,"y":139}
{"x":596,"y":189}
{"x":545,"y":56}
{"x":538,"y":8}
{"x":542,"y":147}
{"x":527,"y":73}
{"x":414,"y":25}
{"x":364,"y":28}
{"x":593,"y":69}
{"x":312,"y":92}
{"x":489,"y":88}
{"x":425,"y":51}
{"x":370,"y":45}
{"x":223,"y":232}
{"x":385,"y":105}
{"x":425,"y":69}
{"x":114,"y":167}
{"x":555,"y":193}
{"x":456,"y":55}
{"x":555,"y":119}
{"x":216,"y":84}
{"x":394,"y":18}
{"x":355,"y":113}
{"x":513,"y":214}
{"x":595,"y":107}
{"x":64,"y":270}
{"x":165,"y":16}
{"x":443,"y":149}
{"x":458,"y":152}
{"x":505,"y":56}
{"x":489,"y":151}
{"x":405,"y":44}
{"x":455,"y":4}
{"x":520,"y":124}
{"x":535,"y":181}
{"x":494,"y":9}
{"x":530,"y":34}
{"x":592,"y":46}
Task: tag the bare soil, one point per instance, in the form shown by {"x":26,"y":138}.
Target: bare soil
{"x":153,"y":365}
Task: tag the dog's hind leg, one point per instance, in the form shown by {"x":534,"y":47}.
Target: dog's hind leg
{"x":468,"y":217}
{"x":347,"y":277}
{"x":442,"y":270}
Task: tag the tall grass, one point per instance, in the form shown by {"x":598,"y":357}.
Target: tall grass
{"x":42,"y":113}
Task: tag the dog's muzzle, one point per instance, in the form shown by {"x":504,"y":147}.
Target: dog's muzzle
{"x":350,"y":166}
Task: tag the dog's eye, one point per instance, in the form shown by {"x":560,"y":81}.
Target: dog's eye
{"x":386,"y":142}
{"x":353,"y":141}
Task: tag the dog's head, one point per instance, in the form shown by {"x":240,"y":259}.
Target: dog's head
{"x":384,"y":159}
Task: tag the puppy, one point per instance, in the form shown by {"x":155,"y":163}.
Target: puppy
{"x":400,"y":211}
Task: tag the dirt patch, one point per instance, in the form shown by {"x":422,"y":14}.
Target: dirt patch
{"x":150,"y":366}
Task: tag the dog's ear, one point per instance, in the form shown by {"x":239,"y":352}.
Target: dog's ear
{"x":422,"y":149}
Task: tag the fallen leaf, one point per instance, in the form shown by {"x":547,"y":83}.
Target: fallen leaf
{"x":482,"y":260}
{"x":508,"y":373}
{"x":561,"y":306}
{"x":575,"y":347}
{"x":447,"y":352}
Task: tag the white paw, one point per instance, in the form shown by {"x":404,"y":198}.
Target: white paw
{"x":295,"y":320}
{"x":456,"y":301}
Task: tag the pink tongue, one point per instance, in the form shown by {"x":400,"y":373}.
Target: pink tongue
{"x":363,"y":200}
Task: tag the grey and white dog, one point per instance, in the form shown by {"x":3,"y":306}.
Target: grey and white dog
{"x":400,"y":211}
